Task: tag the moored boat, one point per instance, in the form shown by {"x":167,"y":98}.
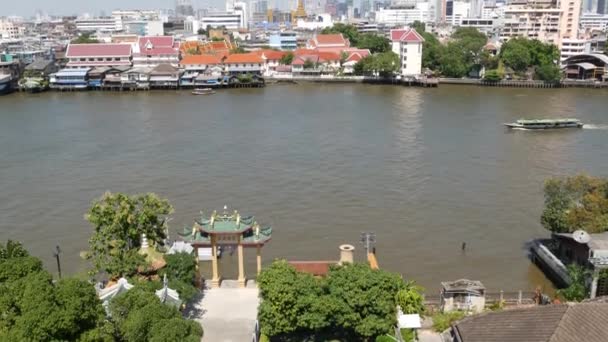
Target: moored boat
{"x":203,"y":91}
{"x":545,"y":124}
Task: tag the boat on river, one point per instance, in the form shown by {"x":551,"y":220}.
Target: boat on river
{"x":203,"y":91}
{"x":545,"y":124}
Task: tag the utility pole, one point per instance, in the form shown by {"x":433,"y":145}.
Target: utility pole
{"x":56,"y":255}
{"x":367,"y":240}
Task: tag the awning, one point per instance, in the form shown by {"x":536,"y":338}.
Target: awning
{"x":586,"y":66}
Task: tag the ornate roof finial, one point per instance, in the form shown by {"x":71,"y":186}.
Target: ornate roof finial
{"x":225,"y":210}
{"x":165,"y":282}
{"x":257,"y":230}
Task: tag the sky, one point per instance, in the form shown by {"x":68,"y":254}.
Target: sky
{"x":28,"y":8}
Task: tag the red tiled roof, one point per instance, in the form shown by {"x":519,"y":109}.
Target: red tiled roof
{"x":200,"y":59}
{"x":98,"y":50}
{"x":355,"y":56}
{"x":243,"y":58}
{"x":328,"y":56}
{"x":299,"y":52}
{"x":329,"y":39}
{"x":406,"y":35}
{"x":316,"y":268}
{"x":272,"y":55}
{"x":166,"y":41}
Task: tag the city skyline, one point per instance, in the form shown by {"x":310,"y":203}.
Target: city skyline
{"x":27,"y":8}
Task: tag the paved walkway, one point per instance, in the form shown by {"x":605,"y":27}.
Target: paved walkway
{"x":228,"y":314}
{"x":428,"y":336}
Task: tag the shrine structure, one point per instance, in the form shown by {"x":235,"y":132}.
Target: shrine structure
{"x":227,"y":229}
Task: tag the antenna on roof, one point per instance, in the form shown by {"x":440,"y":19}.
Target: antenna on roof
{"x":581,"y":236}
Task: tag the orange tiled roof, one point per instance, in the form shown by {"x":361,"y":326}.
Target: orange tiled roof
{"x":243,"y":58}
{"x":329,"y":39}
{"x":328,"y":56}
{"x":299,"y":52}
{"x":200,"y":59}
{"x":271,"y":54}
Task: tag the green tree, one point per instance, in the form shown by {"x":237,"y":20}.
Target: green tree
{"x":579,"y":202}
{"x":419,"y":26}
{"x":308,"y":64}
{"x":140,"y":316}
{"x":12,"y":249}
{"x":181,"y":266}
{"x":492,"y":76}
{"x":286,"y":59}
{"x":431,"y":51}
{"x":577,"y":291}
{"x":374,"y":42}
{"x":85,"y":38}
{"x":386,"y":63}
{"x":452,"y":61}
{"x":410,"y":299}
{"x":516,"y":56}
{"x":217,"y":39}
{"x":33,"y":308}
{"x":488,"y":61}
{"x":119,"y":222}
{"x":201,"y":31}
{"x":290,"y":301}
{"x":363,"y":300}
{"x":548,"y":73}
{"x":349,"y":32}
{"x":365,"y":66}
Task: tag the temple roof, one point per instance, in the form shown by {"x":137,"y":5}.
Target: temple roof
{"x":226,"y":224}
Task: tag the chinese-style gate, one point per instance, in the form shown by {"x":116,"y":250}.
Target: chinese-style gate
{"x":227,"y":229}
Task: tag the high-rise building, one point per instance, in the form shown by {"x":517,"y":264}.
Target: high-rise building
{"x":183,"y":8}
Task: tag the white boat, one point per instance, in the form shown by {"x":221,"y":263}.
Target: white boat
{"x":545,"y":124}
{"x":203,"y":91}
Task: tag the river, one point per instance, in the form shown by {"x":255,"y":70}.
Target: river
{"x":425,"y":169}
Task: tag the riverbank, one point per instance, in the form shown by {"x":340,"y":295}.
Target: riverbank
{"x":409,"y":82}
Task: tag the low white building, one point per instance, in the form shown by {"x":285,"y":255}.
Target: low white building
{"x":102,"y":24}
{"x":405,"y":15}
{"x":230,"y":20}
{"x":407,"y":43}
{"x":573,"y":47}
{"x":321,"y":21}
{"x":594,"y":21}
{"x":10,"y":30}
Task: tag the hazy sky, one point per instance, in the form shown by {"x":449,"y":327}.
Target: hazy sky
{"x":68,"y":7}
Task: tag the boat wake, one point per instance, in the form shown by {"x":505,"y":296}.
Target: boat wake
{"x":591,"y":126}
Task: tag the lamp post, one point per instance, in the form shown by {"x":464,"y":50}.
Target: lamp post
{"x":56,"y":255}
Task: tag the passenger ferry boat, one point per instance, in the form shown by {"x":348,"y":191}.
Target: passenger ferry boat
{"x":546,"y":124}
{"x":203,"y":91}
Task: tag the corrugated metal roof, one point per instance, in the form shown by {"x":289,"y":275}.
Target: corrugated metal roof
{"x":72,"y":72}
{"x":586,"y":66}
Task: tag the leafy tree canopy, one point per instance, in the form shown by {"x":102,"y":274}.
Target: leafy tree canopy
{"x":286,"y":59}
{"x":140,"y":316}
{"x":119,"y":220}
{"x":578,"y":290}
{"x":410,"y":299}
{"x":85,"y":38}
{"x":374,"y":42}
{"x":579,"y":202}
{"x":353,"y":302}
{"x":34,"y":309}
{"x":385,"y":64}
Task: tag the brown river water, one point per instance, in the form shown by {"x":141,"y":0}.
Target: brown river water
{"x":425,"y":169}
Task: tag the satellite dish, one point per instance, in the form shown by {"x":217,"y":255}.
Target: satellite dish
{"x":581,"y":236}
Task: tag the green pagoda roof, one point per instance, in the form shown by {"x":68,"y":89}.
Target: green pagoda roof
{"x":226,"y":224}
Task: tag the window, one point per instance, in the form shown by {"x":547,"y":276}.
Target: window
{"x":100,"y":59}
{"x":108,"y":59}
{"x":117,"y":59}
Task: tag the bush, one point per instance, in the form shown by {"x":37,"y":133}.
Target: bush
{"x":385,"y":338}
{"x":407,"y":335}
{"x":443,"y":321}
{"x":492,"y":76}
